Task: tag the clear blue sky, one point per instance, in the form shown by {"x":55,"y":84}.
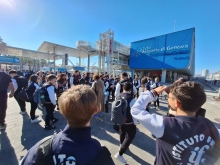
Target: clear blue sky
{"x":27,"y":23}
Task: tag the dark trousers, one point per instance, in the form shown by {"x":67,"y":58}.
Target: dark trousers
{"x":137,"y":92}
{"x":33,"y":109}
{"x":157,"y":101}
{"x":127,"y":134}
{"x":49,"y":116}
{"x":106,"y":107}
{"x":112,"y":91}
{"x":21,"y":103}
{"x":3,"y":106}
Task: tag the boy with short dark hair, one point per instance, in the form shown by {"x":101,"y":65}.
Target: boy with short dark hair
{"x":74,"y":145}
{"x":185,"y":138}
{"x":50,"y":102}
{"x":128,"y":129}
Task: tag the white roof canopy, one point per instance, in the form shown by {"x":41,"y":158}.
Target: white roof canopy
{"x":61,"y":50}
{"x":13,"y":51}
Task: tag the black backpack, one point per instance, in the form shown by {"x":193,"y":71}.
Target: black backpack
{"x":45,"y":155}
{"x":21,"y":81}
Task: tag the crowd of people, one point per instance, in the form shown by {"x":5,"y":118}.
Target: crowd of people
{"x":183,"y":137}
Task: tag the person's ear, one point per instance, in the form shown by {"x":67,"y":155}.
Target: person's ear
{"x":96,"y":111}
{"x":177,"y":104}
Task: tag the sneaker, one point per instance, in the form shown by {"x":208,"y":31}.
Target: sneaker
{"x":54,"y":120}
{"x":158,"y":108}
{"x":22,"y":112}
{"x":36,"y":120}
{"x":120,"y":158}
{"x":2,"y":126}
{"x":49,"y":127}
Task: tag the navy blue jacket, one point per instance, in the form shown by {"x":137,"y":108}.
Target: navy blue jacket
{"x":71,"y":142}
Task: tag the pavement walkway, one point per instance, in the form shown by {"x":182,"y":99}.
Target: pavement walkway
{"x":20,"y":135}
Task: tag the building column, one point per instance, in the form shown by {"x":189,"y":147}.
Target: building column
{"x":79,"y":61}
{"x":170,"y":75}
{"x":175,"y":76}
{"x":88,"y":62}
{"x":163,"y":77}
{"x":142,"y":74}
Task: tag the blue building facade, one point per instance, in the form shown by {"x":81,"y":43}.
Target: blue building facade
{"x":173,"y":53}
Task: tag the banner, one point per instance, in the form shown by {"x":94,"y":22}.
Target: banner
{"x":9,"y":60}
{"x":170,"y":51}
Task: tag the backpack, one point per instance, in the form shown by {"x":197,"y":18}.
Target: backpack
{"x":119,"y":110}
{"x":41,"y":96}
{"x":21,"y":81}
{"x":45,"y":155}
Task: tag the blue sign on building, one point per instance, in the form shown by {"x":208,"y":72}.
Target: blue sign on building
{"x":9,"y":60}
{"x":170,"y":51}
{"x":79,"y":68}
{"x":61,"y":69}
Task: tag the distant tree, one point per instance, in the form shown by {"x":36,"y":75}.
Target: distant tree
{"x":23,"y":61}
{"x":43,"y":62}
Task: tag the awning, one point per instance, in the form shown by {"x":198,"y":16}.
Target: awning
{"x":61,"y":50}
{"x":13,"y":51}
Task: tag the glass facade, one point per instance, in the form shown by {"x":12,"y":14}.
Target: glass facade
{"x":170,"y":51}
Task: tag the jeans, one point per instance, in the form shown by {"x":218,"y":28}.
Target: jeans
{"x":49,"y":116}
{"x":3,"y":106}
{"x":127,"y":134}
{"x":21,"y":103}
{"x":33,"y":109}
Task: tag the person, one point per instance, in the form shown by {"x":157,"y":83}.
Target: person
{"x":106,"y":92}
{"x":137,"y":84}
{"x":185,"y":138}
{"x":50,"y":102}
{"x":155,"y":85}
{"x":74,"y":143}
{"x":76,"y":77}
{"x":59,"y":90}
{"x":5,"y":81}
{"x":119,"y":89}
{"x":82,"y":80}
{"x":40,"y":78}
{"x":98,"y":87}
{"x":21,"y":82}
{"x":144,"y":86}
{"x":112,"y":87}
{"x":128,"y":129}
{"x":30,"y":92}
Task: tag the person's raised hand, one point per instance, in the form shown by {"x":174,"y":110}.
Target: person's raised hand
{"x":160,"y":89}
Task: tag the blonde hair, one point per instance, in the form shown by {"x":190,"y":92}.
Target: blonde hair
{"x":78,"y":104}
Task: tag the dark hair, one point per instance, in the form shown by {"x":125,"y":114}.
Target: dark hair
{"x":175,"y":83}
{"x":12,"y":72}
{"x":76,"y":71}
{"x":51,"y":77}
{"x":96,"y":77}
{"x":191,"y":95}
{"x":124,"y":74}
{"x":127,"y":86}
{"x":86,"y":82}
{"x":60,"y":76}
{"x":33,"y":78}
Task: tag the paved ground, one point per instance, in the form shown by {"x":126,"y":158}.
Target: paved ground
{"x":20,"y":135}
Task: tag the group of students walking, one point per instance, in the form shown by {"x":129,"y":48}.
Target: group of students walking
{"x":184,"y":138}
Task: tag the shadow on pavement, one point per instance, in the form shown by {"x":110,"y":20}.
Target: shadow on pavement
{"x":34,"y":132}
{"x":7,"y":152}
